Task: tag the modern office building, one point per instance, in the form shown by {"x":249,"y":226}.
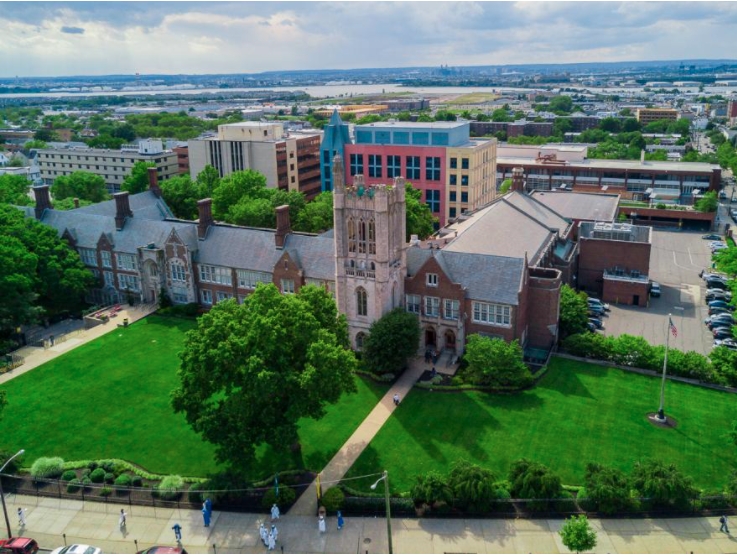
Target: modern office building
{"x":112,"y":165}
{"x":335,"y":136}
{"x":649,"y":115}
{"x":289,"y":160}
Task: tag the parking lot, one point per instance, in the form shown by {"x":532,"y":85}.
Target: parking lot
{"x":675,"y":262}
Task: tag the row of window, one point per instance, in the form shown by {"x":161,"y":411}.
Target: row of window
{"x":482,"y":313}
{"x":123,"y":261}
{"x":206,"y":296}
{"x":77,"y":158}
{"x":454,"y":163}
{"x":412,"y":170}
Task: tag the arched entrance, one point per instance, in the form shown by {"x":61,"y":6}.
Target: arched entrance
{"x":430,"y":337}
{"x":450,"y":339}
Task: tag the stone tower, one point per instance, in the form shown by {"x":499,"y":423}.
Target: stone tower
{"x":370,"y":256}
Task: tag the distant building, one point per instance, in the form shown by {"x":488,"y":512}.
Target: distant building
{"x":408,"y":105}
{"x":356,"y":110}
{"x":289,"y":160}
{"x":335,"y":136}
{"x":649,"y":115}
{"x":182,"y":153}
{"x":112,"y":165}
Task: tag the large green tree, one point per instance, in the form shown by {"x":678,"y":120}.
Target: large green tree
{"x":14,"y":190}
{"x":181,"y":195}
{"x":532,"y":480}
{"x":82,"y":185}
{"x":607,"y":487}
{"x":473,"y":486}
{"x":249,"y":372}
{"x":494,"y":362}
{"x":574,"y":310}
{"x":137,"y":180}
{"x":420,"y":220}
{"x":663,"y":483}
{"x":392,"y":339}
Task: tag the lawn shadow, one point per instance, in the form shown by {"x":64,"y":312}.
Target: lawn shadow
{"x":566,"y":381}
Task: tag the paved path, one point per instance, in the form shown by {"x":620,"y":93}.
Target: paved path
{"x":306,"y":505}
{"x":97,"y":524}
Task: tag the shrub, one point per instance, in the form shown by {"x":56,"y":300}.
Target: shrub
{"x":430,"y":488}
{"x":47,"y":467}
{"x":123,"y":482}
{"x":108,"y":465}
{"x":136,"y":481}
{"x":109,"y":477}
{"x":286,"y":497}
{"x":472,"y":485}
{"x":333,"y":499}
{"x":531,"y":480}
{"x":194,"y":495}
{"x":494,"y":362}
{"x":104,"y":492}
{"x":85,"y":472}
{"x":69,"y":475}
{"x":119,"y":469}
{"x":86,"y":481}
{"x":607,"y":489}
{"x":170,"y":487}
{"x":663,"y":483}
{"x":74,"y":486}
{"x":97,"y":476}
{"x":92,"y":465}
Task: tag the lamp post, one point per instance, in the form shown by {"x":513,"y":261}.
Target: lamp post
{"x":2,"y":493}
{"x":385,"y":477}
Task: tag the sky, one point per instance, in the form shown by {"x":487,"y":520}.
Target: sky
{"x":101,"y":38}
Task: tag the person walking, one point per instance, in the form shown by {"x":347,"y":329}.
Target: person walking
{"x":724,"y":527}
{"x":21,"y":517}
{"x":341,"y":522}
{"x":206,"y":517}
{"x":121,"y":520}
{"x":262,"y":533}
{"x":396,"y":399}
{"x":275,"y":531}
{"x":271,"y":542}
{"x":274,"y":512}
{"x":321,"y":524}
{"x":177,"y":531}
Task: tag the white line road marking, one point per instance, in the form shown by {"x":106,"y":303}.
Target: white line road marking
{"x":677,"y":264}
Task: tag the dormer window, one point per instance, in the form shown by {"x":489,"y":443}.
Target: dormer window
{"x":431,"y":280}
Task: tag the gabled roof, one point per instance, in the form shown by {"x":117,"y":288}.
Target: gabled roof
{"x":580,"y":206}
{"x":495,"y":279}
{"x":539,"y":212}
{"x":144,"y":205}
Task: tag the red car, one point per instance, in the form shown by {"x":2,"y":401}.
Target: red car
{"x":19,"y":545}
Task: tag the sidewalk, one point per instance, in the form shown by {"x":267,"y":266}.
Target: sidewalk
{"x":97,"y":524}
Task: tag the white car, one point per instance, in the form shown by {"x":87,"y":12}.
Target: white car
{"x":77,"y":549}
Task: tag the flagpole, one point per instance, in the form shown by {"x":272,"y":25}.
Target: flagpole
{"x":661,"y":413}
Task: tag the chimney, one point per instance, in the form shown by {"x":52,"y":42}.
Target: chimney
{"x":283,"y":225}
{"x":642,"y":157}
{"x":204,"y":208}
{"x":43,"y":200}
{"x":518,"y":181}
{"x":153,"y":182}
{"x":338,"y":173}
{"x":122,"y":209}
{"x":76,"y":203}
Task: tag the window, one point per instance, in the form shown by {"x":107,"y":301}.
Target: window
{"x":495,"y":314}
{"x":413,"y":167}
{"x":109,"y":279}
{"x":453,"y":196}
{"x":451,"y":309}
{"x":223,"y":296}
{"x":360,"y":338}
{"x":107,"y":259}
{"x":454,"y":163}
{"x":453,"y":179}
{"x":451,"y":212}
{"x":179,"y":295}
{"x":432,"y":199}
{"x":287,"y":286}
{"x":248,"y":279}
{"x":177,"y":272}
{"x":126,"y":261}
{"x":393,"y":166}
{"x":374,"y":165}
{"x":431,"y":280}
{"x":216,"y":274}
{"x":464,"y":196}
{"x":128,"y":282}
{"x":464,"y":163}
{"x":432,"y":168}
{"x":88,"y":256}
{"x":356,"y":164}
{"x":464,"y":180}
{"x":413,"y":303}
{"x":206,"y":296}
{"x":432,"y":306}
{"x":351,"y":235}
{"x":361,"y":302}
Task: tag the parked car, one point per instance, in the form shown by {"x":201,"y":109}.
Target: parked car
{"x":712,"y":237}
{"x":714,"y":310}
{"x":77,"y":549}
{"x":729,"y":343}
{"x":716,"y":284}
{"x":718,"y":295}
{"x":717,"y":248}
{"x":596,"y":322}
{"x":591,"y":327}
{"x":720,"y":304}
{"x":654,"y":289}
{"x":722,"y":333}
{"x":596,"y":312}
{"x":19,"y":545}
{"x":717,"y":244}
{"x":164,"y":549}
{"x":596,"y":302}
{"x":718,"y":320}
{"x":712,"y":275}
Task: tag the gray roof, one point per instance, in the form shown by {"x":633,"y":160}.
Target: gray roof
{"x":144,"y":205}
{"x":540,"y":212}
{"x":580,"y":206}
{"x":496,"y":279}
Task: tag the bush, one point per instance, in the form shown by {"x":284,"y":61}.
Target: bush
{"x":47,"y":467}
{"x":92,"y":465}
{"x":531,"y":480}
{"x":170,"y":487}
{"x":333,"y":499}
{"x":286,"y":497}
{"x":663,"y":484}
{"x":74,"y":486}
{"x":69,"y":475}
{"x":194,"y":495}
{"x":85,"y":472}
{"x":123,"y":482}
{"x":86,"y":481}
{"x":472,"y":485}
{"x":136,"y":481}
{"x":97,"y":476}
{"x":108,"y":465}
{"x":431,"y":488}
{"x":109,"y":477}
{"x":104,"y":492}
{"x":607,"y":489}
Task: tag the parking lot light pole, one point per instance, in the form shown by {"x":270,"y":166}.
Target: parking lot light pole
{"x":2,"y":493}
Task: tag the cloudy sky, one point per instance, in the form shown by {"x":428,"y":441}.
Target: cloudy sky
{"x":98,"y":38}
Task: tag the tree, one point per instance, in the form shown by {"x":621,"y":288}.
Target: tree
{"x":181,"y":195}
{"x":420,"y":220}
{"x":577,"y":534}
{"x":505,"y":186}
{"x":82,"y":185}
{"x":563,"y":104}
{"x":137,"y":180}
{"x":608,"y":487}
{"x":662,"y":483}
{"x":473,"y":486}
{"x":34,"y":144}
{"x":207,"y":181}
{"x":494,"y":362}
{"x":501,"y":115}
{"x":431,"y":488}
{"x":45,"y":135}
{"x":444,"y":115}
{"x":611,"y":125}
{"x":14,"y":190}
{"x":392,"y":339}
{"x":574,"y":311}
{"x":316,"y":216}
{"x":249,"y":372}
{"x":248,"y":184}
{"x":561,"y":126}
{"x":68,"y":204}
{"x":531,"y":480}
{"x":707,"y":203}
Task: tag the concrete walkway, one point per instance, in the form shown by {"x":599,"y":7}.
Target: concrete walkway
{"x":54,"y":522}
{"x":306,"y":505}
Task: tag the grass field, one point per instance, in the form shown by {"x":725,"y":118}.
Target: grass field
{"x":110,"y":399}
{"x":473,"y":98}
{"x":578,"y":413}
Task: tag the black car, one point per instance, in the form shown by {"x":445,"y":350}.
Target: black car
{"x":723,"y":333}
{"x":714,"y":310}
{"x":597,"y":323}
{"x":716,"y":284}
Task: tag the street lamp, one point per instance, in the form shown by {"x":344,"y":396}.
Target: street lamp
{"x":385,"y":477}
{"x":2,"y":493}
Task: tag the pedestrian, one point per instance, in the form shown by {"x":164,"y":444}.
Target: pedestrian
{"x":206,"y":517}
{"x":21,"y":516}
{"x":321,"y":524}
{"x":208,"y":506}
{"x":723,"y":521}
{"x":274,"y":512}
{"x":433,"y":372}
{"x":51,"y":339}
{"x":340,"y":521}
{"x":275,"y":531}
{"x":262,"y":533}
{"x":271,"y":542}
{"x":177,"y":531}
{"x":396,"y":399}
{"x":121,"y":520}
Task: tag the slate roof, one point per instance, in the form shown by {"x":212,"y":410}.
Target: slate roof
{"x":580,"y":206}
{"x":144,"y":205}
{"x":539,"y":211}
{"x":496,"y":279}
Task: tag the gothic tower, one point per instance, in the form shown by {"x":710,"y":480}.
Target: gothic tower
{"x":370,"y":256}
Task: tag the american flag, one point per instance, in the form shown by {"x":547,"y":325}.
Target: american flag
{"x":672,"y":327}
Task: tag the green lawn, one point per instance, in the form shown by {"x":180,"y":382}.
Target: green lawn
{"x":110,"y":399}
{"x":577,"y":414}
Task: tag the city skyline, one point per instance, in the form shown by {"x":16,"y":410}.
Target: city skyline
{"x":103,"y":38}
